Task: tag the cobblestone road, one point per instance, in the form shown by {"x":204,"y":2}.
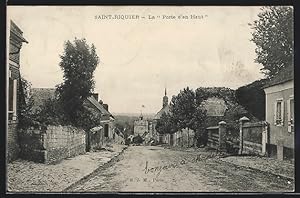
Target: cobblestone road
{"x":155,"y":169}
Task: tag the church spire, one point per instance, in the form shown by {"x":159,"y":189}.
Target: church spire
{"x":165,"y":99}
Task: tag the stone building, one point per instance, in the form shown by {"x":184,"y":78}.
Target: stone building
{"x":141,"y":126}
{"x":16,"y":40}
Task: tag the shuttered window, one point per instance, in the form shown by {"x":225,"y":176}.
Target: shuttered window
{"x":290,"y":110}
{"x":278,"y":112}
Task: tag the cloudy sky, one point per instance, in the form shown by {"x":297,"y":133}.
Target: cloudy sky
{"x":139,"y":58}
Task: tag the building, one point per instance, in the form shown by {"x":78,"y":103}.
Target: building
{"x":16,"y":40}
{"x":279,"y":93}
{"x":99,"y":135}
{"x":141,"y":127}
{"x":165,"y":109}
{"x":106,"y":132}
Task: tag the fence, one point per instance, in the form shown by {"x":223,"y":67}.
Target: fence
{"x":253,"y":137}
{"x":213,"y":136}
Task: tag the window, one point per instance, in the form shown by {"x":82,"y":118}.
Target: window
{"x":278,"y":114}
{"x":12,"y":98}
{"x":290,"y":111}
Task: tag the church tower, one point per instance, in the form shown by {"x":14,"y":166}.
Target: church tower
{"x":165,"y":99}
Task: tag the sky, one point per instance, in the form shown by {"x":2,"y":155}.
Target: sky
{"x":139,"y":58}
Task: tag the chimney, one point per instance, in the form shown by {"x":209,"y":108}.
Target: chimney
{"x":95,"y":95}
{"x":105,"y":106}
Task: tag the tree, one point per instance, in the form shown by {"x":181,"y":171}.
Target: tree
{"x":183,"y":107}
{"x":274,"y":37}
{"x":252,"y":97}
{"x":25,"y":103}
{"x":198,"y":124}
{"x":78,"y":63}
{"x":164,"y":124}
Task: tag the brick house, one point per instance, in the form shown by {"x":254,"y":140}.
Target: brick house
{"x":16,"y":40}
{"x":279,"y":93}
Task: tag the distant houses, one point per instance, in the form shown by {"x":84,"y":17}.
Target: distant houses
{"x":16,"y":40}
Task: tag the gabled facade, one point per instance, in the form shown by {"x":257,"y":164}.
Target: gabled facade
{"x":107,"y":119}
{"x":15,"y":41}
{"x":280,"y":114}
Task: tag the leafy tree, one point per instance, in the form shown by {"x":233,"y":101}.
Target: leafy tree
{"x":50,"y":113}
{"x":274,"y":37}
{"x":25,"y":103}
{"x":198,"y":124}
{"x":78,"y":63}
{"x":183,"y":108}
{"x":252,"y":97}
{"x":164,"y":124}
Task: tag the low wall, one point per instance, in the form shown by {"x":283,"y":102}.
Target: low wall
{"x":52,"y":143}
{"x":254,"y":137}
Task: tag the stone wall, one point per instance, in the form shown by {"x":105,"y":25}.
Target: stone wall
{"x":51,"y":144}
{"x":12,"y":141}
{"x":253,"y":137}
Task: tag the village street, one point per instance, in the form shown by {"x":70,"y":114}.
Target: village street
{"x":158,"y":169}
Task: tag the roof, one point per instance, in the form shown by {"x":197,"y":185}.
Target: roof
{"x":103,"y":111}
{"x":40,"y":96}
{"x":165,"y":109}
{"x":286,"y":74}
{"x":17,"y":31}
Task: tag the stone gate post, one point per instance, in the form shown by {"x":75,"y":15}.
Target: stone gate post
{"x":222,"y":136}
{"x":242,"y":121}
{"x":264,"y":138}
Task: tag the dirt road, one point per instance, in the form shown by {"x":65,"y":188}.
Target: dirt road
{"x":155,"y":169}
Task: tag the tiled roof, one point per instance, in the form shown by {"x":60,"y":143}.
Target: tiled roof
{"x":284,"y":75}
{"x":40,"y":96}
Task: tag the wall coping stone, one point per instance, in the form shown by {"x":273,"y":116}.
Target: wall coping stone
{"x":212,"y":127}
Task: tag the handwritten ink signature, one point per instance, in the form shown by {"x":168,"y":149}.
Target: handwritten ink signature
{"x":159,"y":169}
